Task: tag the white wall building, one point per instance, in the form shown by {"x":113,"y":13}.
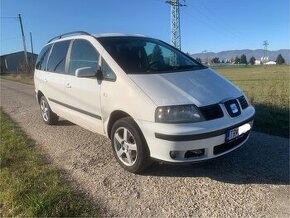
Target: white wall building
{"x":257,"y":62}
{"x":270,"y":63}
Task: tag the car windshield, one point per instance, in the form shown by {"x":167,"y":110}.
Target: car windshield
{"x":141,"y":55}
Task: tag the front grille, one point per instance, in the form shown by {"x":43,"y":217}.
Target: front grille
{"x":212,"y":112}
{"x":229,"y":145}
{"x":243,"y":102}
{"x":233,"y":107}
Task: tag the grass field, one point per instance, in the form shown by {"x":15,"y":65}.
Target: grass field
{"x":29,"y":185}
{"x":267,"y":87}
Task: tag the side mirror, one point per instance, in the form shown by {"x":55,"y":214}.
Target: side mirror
{"x":85,"y":72}
{"x":99,"y":75}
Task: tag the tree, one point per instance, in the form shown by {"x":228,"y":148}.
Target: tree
{"x":243,"y":59}
{"x":280,"y":59}
{"x":157,"y":56}
{"x":252,"y":60}
{"x":198,"y":60}
{"x":237,"y":60}
{"x":215,"y":60}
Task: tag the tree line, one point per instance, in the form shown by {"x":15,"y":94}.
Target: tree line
{"x":240,"y":60}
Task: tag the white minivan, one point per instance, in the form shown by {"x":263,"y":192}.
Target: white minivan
{"x":153,"y":101}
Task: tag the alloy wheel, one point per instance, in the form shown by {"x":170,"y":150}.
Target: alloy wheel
{"x":125,"y":146}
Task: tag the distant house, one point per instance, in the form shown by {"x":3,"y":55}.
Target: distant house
{"x":257,"y":62}
{"x":11,"y":63}
{"x":264,"y":59}
{"x":270,"y":63}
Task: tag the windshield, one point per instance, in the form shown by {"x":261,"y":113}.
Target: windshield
{"x":141,"y":55}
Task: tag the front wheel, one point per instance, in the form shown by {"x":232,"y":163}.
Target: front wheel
{"x":129,"y":145}
{"x":48,"y":116}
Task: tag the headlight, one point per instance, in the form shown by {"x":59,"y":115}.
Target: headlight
{"x":178,"y":114}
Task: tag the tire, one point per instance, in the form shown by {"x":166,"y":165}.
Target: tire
{"x":47,"y":115}
{"x":129,"y":146}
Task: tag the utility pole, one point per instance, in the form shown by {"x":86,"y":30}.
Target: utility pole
{"x":31,"y":44}
{"x":175,"y":23}
{"x":23,"y":39}
{"x":265,"y":44}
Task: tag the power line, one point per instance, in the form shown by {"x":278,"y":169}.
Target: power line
{"x":10,"y":38}
{"x":8,"y":17}
{"x":213,"y":22}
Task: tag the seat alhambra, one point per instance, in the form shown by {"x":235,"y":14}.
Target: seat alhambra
{"x":150,"y":99}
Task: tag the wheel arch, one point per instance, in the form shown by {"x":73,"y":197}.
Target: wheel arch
{"x":39,"y":95}
{"x":115,"y":115}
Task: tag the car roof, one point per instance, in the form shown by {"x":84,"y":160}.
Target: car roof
{"x":99,"y":35}
{"x":76,"y":34}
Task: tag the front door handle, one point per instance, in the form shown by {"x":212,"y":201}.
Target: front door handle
{"x":68,"y":85}
{"x":45,"y":80}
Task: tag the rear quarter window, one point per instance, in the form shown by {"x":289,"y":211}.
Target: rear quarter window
{"x":42,"y":58}
{"x":57,"y":59}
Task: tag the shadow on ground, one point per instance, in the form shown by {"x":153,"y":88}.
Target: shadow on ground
{"x":65,"y":123}
{"x":272,"y":120}
{"x":264,"y":159}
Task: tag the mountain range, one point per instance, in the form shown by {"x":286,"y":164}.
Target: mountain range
{"x":258,"y":53}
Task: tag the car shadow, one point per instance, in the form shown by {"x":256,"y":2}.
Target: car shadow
{"x":65,"y":123}
{"x":264,"y":159}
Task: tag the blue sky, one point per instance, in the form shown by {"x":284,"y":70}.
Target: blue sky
{"x":212,"y":25}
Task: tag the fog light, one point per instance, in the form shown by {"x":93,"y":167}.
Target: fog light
{"x":194,"y":153}
{"x":173,"y":154}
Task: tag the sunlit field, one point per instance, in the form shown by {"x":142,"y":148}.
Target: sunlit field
{"x":267,"y":87}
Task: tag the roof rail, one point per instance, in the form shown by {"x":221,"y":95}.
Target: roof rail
{"x":69,"y":34}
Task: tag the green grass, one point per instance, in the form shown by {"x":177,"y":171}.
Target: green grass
{"x":29,"y":184}
{"x":267,"y":87}
{"x":23,"y":78}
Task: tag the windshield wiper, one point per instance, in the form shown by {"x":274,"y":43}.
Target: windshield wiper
{"x":175,"y":68}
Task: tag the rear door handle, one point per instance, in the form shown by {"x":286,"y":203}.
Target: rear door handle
{"x":68,"y":85}
{"x":45,"y":80}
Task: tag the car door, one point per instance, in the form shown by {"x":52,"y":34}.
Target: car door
{"x":54,"y":77}
{"x":83,"y":93}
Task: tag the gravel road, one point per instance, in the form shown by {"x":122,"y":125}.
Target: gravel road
{"x":252,"y":181}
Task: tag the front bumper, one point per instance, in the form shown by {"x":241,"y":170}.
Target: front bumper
{"x":194,"y":142}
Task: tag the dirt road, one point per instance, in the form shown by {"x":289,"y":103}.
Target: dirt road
{"x":251,"y":181}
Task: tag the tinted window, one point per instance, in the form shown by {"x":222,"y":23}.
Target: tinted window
{"x":56,"y":62}
{"x":83,"y":54}
{"x":141,"y":55}
{"x":42,"y":58}
{"x":108,"y":73}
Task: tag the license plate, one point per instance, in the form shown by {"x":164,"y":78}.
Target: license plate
{"x":236,"y":132}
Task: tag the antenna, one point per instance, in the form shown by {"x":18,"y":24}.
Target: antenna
{"x":175,"y":23}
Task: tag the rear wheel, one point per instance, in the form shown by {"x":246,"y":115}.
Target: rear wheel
{"x":129,"y":145}
{"x":48,"y":116}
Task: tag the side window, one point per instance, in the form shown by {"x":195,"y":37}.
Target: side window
{"x":56,"y":62}
{"x":83,"y":54}
{"x":42,"y":58}
{"x":108,"y":73}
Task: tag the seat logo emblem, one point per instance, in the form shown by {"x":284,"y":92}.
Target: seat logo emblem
{"x":234,"y":108}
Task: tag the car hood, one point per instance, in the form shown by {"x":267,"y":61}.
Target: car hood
{"x":200,"y":87}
